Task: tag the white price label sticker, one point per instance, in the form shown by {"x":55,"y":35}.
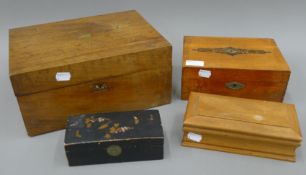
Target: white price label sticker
{"x":194,"y":137}
{"x":204,"y":73}
{"x":63,"y":76}
{"x":194,"y":63}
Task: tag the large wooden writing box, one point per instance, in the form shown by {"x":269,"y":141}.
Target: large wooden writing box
{"x":244,"y":126}
{"x":241,"y":67}
{"x":114,"y":137}
{"x":114,"y":62}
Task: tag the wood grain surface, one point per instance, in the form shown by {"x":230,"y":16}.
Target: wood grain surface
{"x":117,"y":62}
{"x":244,"y":126}
{"x":48,"y":111}
{"x":90,"y":48}
{"x":258,"y":65}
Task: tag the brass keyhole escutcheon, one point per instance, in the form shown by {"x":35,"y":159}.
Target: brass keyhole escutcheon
{"x":234,"y":85}
{"x":114,"y":150}
{"x":100,"y":87}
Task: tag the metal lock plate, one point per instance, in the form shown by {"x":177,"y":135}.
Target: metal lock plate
{"x":100,"y":87}
{"x":234,"y":85}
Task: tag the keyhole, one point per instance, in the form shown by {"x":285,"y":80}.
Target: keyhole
{"x":100,"y":86}
{"x":234,"y":85}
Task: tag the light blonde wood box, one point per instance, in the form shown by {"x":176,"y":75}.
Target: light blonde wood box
{"x":244,"y":126}
{"x":106,"y":63}
{"x":241,"y":67}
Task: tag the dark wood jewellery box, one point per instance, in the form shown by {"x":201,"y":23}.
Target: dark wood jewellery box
{"x":241,"y":67}
{"x":114,"y":137}
{"x":244,"y":126}
{"x":107,"y":63}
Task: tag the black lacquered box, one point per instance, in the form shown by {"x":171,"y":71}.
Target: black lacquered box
{"x":114,"y":137}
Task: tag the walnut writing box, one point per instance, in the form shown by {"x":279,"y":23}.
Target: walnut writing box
{"x":114,"y":62}
{"x":241,"y":67}
{"x":114,"y":137}
{"x":244,"y":126}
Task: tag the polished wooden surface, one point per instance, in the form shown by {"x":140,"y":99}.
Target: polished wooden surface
{"x":262,"y":85}
{"x":86,"y":47}
{"x":117,"y":62}
{"x":264,"y":76}
{"x":245,"y":126}
{"x":48,"y":111}
{"x":270,"y":61}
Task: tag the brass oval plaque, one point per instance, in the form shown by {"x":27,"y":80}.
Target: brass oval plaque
{"x":114,"y":150}
{"x":234,"y":85}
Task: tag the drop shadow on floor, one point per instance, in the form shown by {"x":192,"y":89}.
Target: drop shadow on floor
{"x":59,"y":152}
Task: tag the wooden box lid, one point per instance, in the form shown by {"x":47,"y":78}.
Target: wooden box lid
{"x":39,"y":52}
{"x":243,"y":126}
{"x":243,"y":116}
{"x":234,"y":53}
